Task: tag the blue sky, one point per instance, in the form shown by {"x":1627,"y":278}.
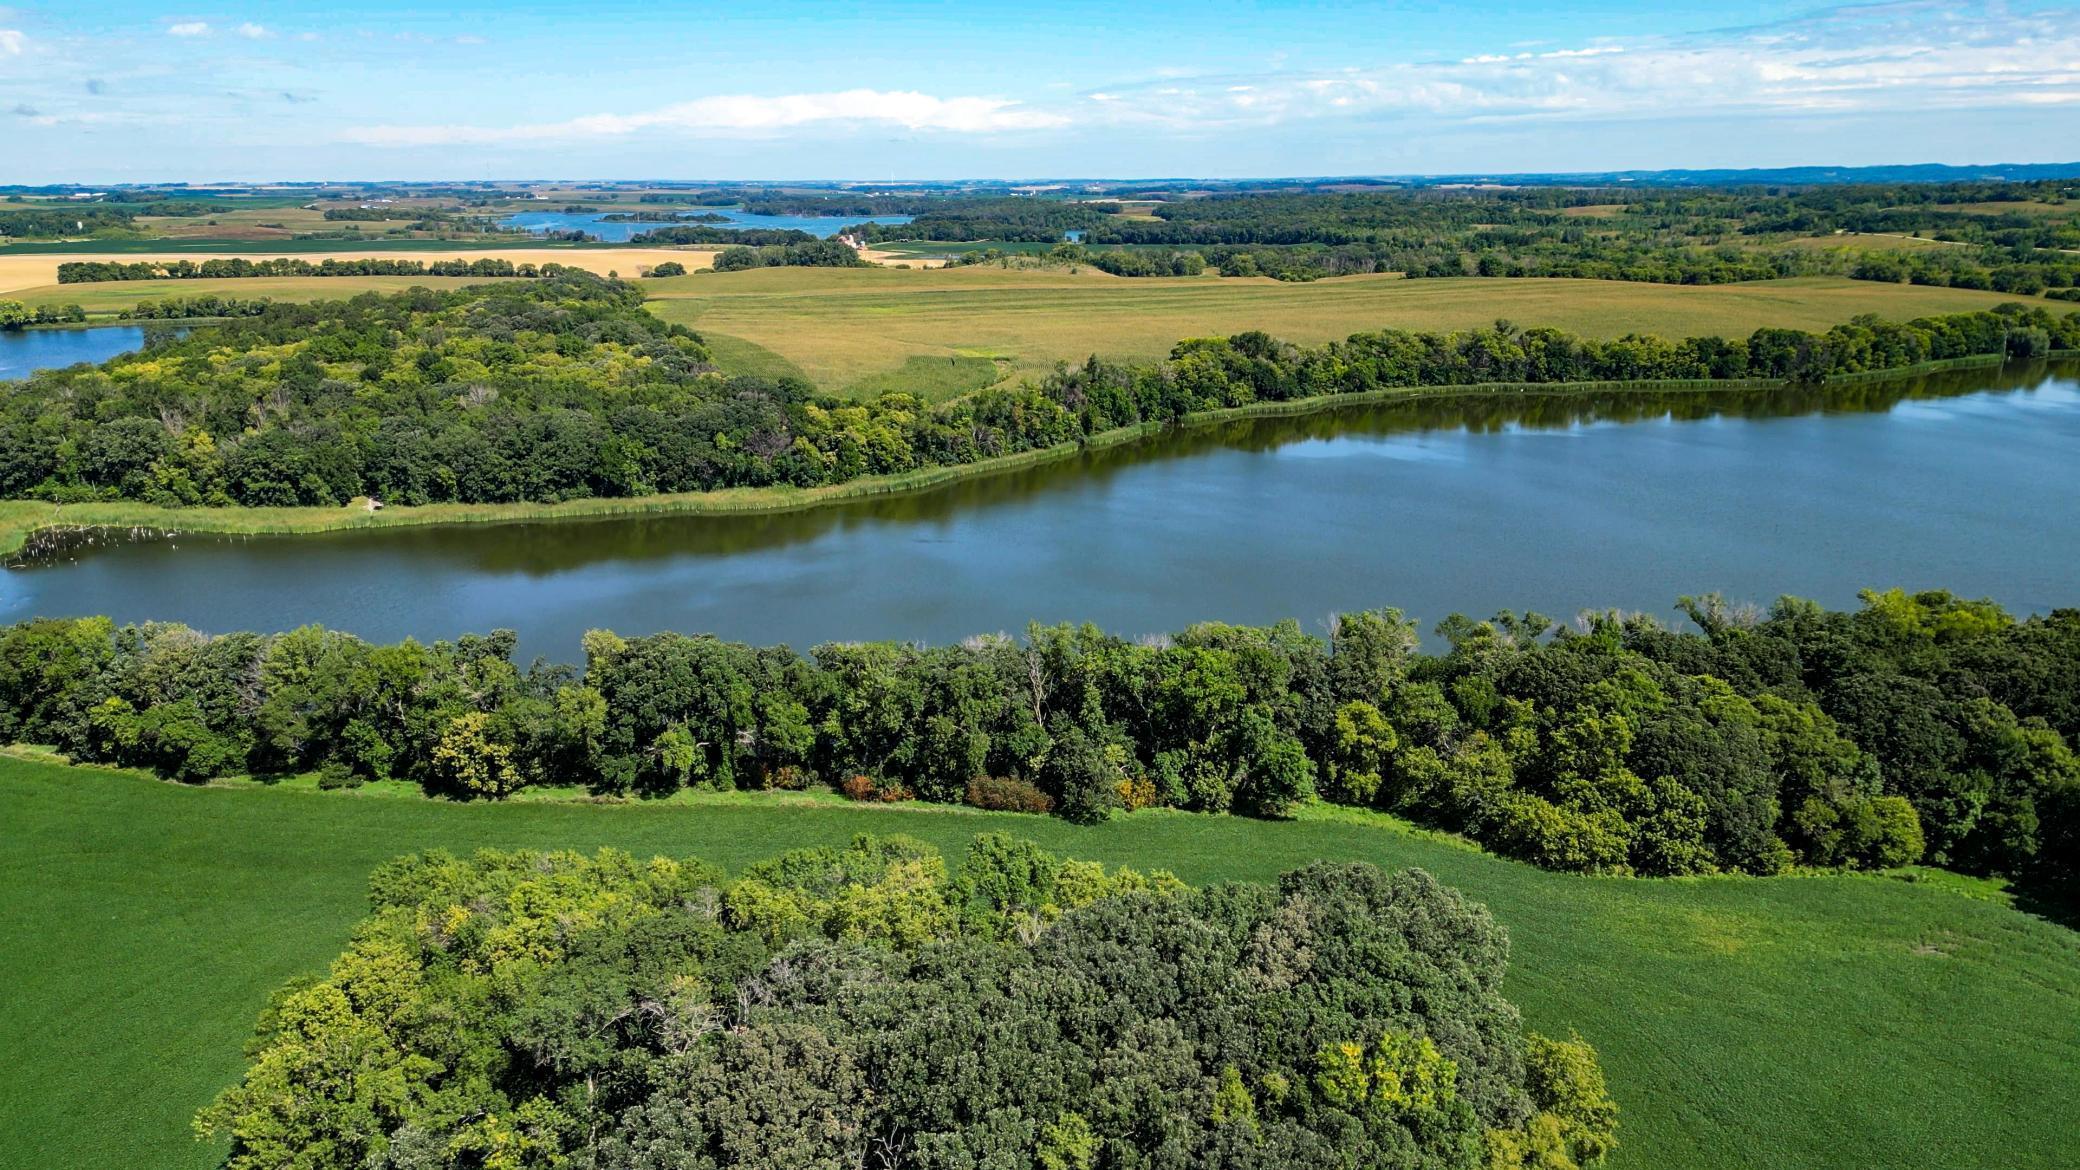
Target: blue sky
{"x":110,"y":90}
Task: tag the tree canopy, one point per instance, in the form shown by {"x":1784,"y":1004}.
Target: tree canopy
{"x":1920,"y":727}
{"x":865,"y":1006}
{"x":564,"y":387}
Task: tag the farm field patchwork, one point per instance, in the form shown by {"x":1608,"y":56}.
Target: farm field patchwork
{"x":33,"y":279}
{"x":1789,"y":1022}
{"x":842,"y":326}
{"x":33,"y":276}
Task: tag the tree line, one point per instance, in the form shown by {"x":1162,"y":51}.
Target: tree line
{"x":65,"y":220}
{"x":16,"y":315}
{"x":746,"y":237}
{"x":422,"y":215}
{"x":868,"y":1006}
{"x":206,"y":305}
{"x":92,"y":271}
{"x":1920,"y":727}
{"x":1685,"y":235}
{"x":813,"y":253}
{"x":2024,"y":275}
{"x":564,"y":387}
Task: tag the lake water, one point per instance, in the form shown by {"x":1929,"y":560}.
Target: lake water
{"x":24,"y":351}
{"x":1967,"y":482}
{"x":594,"y":223}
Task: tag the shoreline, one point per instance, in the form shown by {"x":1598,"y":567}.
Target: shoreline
{"x":23,"y":520}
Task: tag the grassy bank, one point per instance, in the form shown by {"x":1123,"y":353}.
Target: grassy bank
{"x":22,"y":520}
{"x":1789,"y":1022}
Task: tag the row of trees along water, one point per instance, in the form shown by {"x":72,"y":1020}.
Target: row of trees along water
{"x":1919,"y":727}
{"x":16,"y":315}
{"x":564,"y":387}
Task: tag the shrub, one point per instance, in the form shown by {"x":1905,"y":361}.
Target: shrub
{"x":863,"y":787}
{"x":336,"y":774}
{"x":1008,"y":794}
{"x":1137,"y":792}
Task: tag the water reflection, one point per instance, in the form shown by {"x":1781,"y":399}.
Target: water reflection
{"x":24,"y":351}
{"x":1557,"y":502}
{"x":550,"y":548}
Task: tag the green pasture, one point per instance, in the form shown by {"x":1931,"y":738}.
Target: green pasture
{"x":1819,"y":1021}
{"x":854,"y":327}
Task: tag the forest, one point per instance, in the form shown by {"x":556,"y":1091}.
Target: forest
{"x":1920,"y":727}
{"x":834,"y":1008}
{"x":811,"y":254}
{"x":1664,"y":235}
{"x":564,"y":387}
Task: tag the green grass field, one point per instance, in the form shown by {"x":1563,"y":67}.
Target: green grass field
{"x":1789,"y":1022}
{"x":843,"y":327}
{"x":1865,"y":242}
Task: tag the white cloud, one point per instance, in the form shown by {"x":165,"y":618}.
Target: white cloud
{"x":253,"y":32}
{"x":189,"y":28}
{"x":744,"y":115}
{"x":11,"y":42}
{"x":1885,"y":58}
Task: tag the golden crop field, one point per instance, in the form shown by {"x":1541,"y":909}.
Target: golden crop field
{"x":847,"y":328}
{"x":33,"y":279}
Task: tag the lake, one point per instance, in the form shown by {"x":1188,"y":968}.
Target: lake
{"x":1962,"y":481}
{"x":24,"y":351}
{"x":594,"y":223}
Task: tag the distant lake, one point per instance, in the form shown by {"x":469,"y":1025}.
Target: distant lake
{"x":594,"y":223}
{"x":1964,"y":481}
{"x":24,"y":351}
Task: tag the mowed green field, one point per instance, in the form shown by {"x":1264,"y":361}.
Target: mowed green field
{"x":848,"y":328}
{"x":1791,"y":1022}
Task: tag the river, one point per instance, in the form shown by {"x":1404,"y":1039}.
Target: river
{"x":1964,"y":481}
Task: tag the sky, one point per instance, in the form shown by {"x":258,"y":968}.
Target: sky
{"x":100,"y":91}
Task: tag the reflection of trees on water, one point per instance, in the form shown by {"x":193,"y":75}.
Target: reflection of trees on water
{"x":544,"y":547}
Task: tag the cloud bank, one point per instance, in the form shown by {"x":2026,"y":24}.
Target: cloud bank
{"x":1889,"y":58}
{"x":1921,"y":55}
{"x":743,"y":114}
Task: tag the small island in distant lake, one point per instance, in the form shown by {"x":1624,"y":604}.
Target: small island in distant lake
{"x":665,"y":217}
